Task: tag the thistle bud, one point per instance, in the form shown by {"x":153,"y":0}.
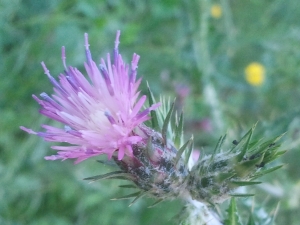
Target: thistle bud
{"x":154,"y":167}
{"x":216,"y":177}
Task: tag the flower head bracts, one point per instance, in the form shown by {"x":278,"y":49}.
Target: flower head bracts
{"x":99,"y":116}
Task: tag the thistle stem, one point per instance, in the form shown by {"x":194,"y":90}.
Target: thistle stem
{"x":199,"y":214}
{"x":200,"y":45}
{"x":229,"y":26}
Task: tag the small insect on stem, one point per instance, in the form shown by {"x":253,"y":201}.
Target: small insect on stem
{"x":235,"y":142}
{"x":262,"y":164}
{"x":271,"y":145}
{"x":254,"y":156}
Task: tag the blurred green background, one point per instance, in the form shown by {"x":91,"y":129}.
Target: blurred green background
{"x":197,"y":51}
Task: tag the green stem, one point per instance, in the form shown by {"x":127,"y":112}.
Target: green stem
{"x":203,"y":61}
{"x":199,"y":214}
{"x":229,"y":28}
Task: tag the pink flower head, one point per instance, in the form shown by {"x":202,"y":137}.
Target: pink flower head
{"x":99,"y":117}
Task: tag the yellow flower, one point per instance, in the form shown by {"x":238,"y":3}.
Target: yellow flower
{"x":255,"y":74}
{"x":216,"y":11}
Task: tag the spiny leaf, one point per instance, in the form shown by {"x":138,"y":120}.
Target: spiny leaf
{"x":127,"y":196}
{"x":137,"y":197}
{"x":274,"y":156}
{"x":129,"y":178}
{"x":273,"y":217}
{"x":241,"y":195}
{"x":268,"y":144}
{"x":244,"y":139}
{"x":251,"y":220}
{"x":156,"y":203}
{"x":149,"y":147}
{"x":233,"y":218}
{"x":181,"y":150}
{"x":127,"y":186}
{"x":245,"y":146}
{"x":218,"y":146}
{"x":264,"y":172}
{"x":115,"y":174}
{"x":189,"y":151}
{"x":270,"y":154}
{"x":166,"y":124}
{"x":254,"y":144}
{"x":280,"y":153}
{"x":154,"y":120}
{"x":244,"y":183}
{"x":244,"y":168}
{"x":179,"y":131}
{"x":107,"y":162}
{"x":223,"y":176}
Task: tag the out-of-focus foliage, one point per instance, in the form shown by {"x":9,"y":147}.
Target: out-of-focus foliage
{"x":185,"y":52}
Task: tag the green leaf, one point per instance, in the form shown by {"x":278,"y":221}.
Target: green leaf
{"x":244,"y":139}
{"x":127,"y":186}
{"x":166,"y":124}
{"x":156,"y":203}
{"x":223,"y":176}
{"x":280,"y":153}
{"x":251,"y":220}
{"x":189,"y":151}
{"x":245,"y":167}
{"x":232,"y":218}
{"x":273,"y":217}
{"x":244,"y":183}
{"x":218,"y":146}
{"x":111,"y":175}
{"x":108,"y":163}
{"x":274,"y":155}
{"x":179,"y":131}
{"x":149,"y":148}
{"x":241,"y":195}
{"x":267,"y":145}
{"x":138,"y":197}
{"x":245,"y":145}
{"x":217,"y":149}
{"x":154,"y":120}
{"x":181,"y":150}
{"x":128,"y":196}
{"x":264,"y":172}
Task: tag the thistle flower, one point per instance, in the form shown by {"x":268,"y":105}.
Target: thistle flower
{"x":107,"y":116}
{"x":100,"y":116}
